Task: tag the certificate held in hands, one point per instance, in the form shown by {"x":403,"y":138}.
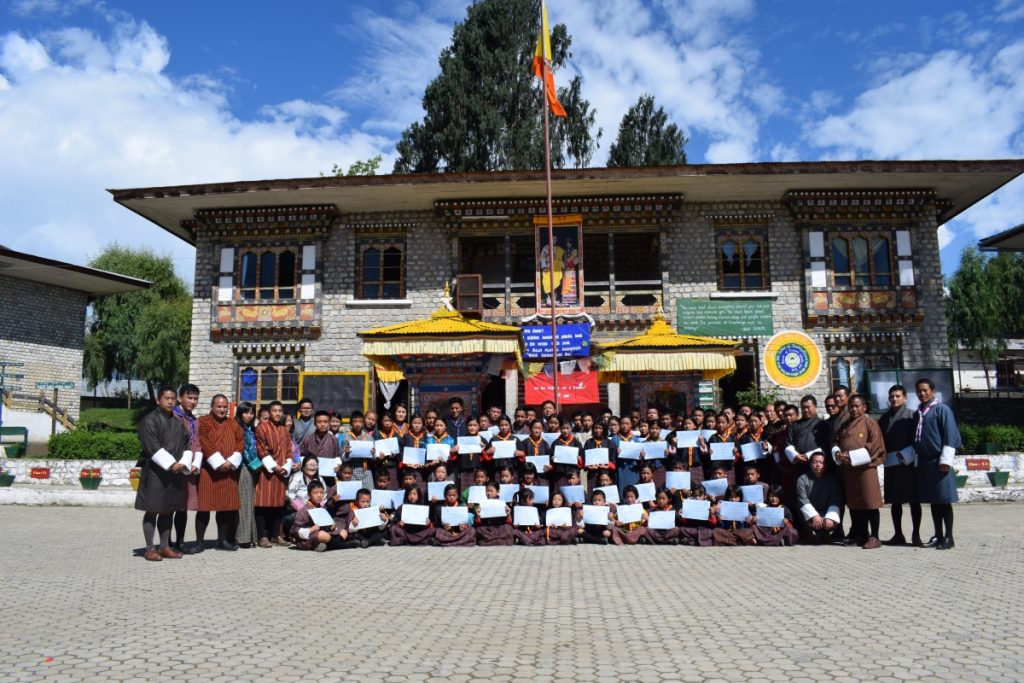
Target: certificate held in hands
{"x":752,"y":451}
{"x":566,"y":455}
{"x":677,"y":480}
{"x":504,"y":449}
{"x":438,"y":451}
{"x":697,"y":510}
{"x":731,"y":511}
{"x":414,"y":456}
{"x":360,"y":450}
{"x":596,"y":514}
{"x":574,"y":494}
{"x":525,"y":515}
{"x":539,"y":461}
{"x":540,"y":494}
{"x":771,"y":517}
{"x":347,"y":490}
{"x":469,"y":444}
{"x":415,"y":515}
{"x":325,"y":467}
{"x":492,"y":508}
{"x":723,"y":451}
{"x":457,"y":515}
{"x":477,"y":495}
{"x":386,"y":446}
{"x":715,"y":487}
{"x":859,"y":457}
{"x":661,"y":519}
{"x":558,"y":517}
{"x":368,"y":518}
{"x":687,"y":439}
{"x":629,"y":450}
{"x":322,"y":518}
{"x":654,"y":450}
{"x":596,"y":456}
{"x":646,"y":492}
{"x":753,"y":493}
{"x":611,"y":493}
{"x":630,"y":514}
{"x":435,"y":490}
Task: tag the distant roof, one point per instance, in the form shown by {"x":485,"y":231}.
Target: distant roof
{"x":1007,"y":240}
{"x":60,"y":274}
{"x":962,"y":183}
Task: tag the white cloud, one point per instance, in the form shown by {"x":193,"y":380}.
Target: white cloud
{"x":80,"y":113}
{"x":945,"y":235}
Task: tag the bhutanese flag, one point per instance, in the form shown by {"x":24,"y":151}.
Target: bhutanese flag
{"x":542,"y":63}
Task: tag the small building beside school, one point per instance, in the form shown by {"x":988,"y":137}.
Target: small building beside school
{"x":42,"y":325}
{"x":289,"y":272}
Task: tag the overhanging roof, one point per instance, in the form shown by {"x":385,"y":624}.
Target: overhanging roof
{"x":60,"y":274}
{"x":963,"y":183}
{"x":1007,"y":240}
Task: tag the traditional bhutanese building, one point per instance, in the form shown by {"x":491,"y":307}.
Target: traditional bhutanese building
{"x":289,"y":272}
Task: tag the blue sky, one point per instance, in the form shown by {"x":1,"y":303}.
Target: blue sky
{"x":119,"y":94}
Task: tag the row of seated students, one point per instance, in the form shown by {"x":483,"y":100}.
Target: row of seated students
{"x":560,"y":518}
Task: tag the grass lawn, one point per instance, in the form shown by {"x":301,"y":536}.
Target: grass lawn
{"x":117,"y":419}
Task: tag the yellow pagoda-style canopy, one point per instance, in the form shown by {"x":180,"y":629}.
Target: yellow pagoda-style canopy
{"x":662,"y":349}
{"x":444,"y":333}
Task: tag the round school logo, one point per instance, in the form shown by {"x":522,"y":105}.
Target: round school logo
{"x":792,"y":360}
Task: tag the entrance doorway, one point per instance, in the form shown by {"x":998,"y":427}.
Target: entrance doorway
{"x":744,"y":378}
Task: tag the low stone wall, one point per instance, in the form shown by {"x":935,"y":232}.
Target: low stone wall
{"x":66,"y":472}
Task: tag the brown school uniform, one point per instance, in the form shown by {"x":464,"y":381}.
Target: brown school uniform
{"x":698,"y":532}
{"x":389,"y":463}
{"x":729,"y":466}
{"x":861,"y":483}
{"x":493,"y":530}
{"x":665,"y":536}
{"x":563,"y":535}
{"x":275,"y":441}
{"x":777,"y":536}
{"x":410,"y":534}
{"x":303,"y":521}
{"x":456,"y":538}
{"x":218,"y":491}
{"x":561,"y":473}
{"x":631,"y":533}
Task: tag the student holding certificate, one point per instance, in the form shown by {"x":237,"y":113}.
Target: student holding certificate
{"x":655,"y":456}
{"x":723,"y":434}
{"x":628,"y":470}
{"x":634,"y":530}
{"x":298,"y":485}
{"x":859,"y":451}
{"x":529,"y":534}
{"x":565,"y":442}
{"x":734,"y":531}
{"x":164,"y":440}
{"x":222,"y":441}
{"x":534,"y":445}
{"x":449,"y":534}
{"x":776,"y":535}
{"x":698,"y":528}
{"x":600,"y":534}
{"x":493,"y":529}
{"x":361,"y":470}
{"x":440,"y":436}
{"x":504,"y":435}
{"x":412,"y":532}
{"x":565,"y":532}
{"x":690,"y":455}
{"x":274,"y":447}
{"x":311,"y":531}
{"x":599,"y":439}
{"x":663,"y":506}
{"x":365,"y":535}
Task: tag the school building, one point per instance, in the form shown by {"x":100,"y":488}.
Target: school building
{"x":289,"y":272}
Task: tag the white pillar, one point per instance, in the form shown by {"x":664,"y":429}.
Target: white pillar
{"x":614,"y":400}
{"x":511,"y":391}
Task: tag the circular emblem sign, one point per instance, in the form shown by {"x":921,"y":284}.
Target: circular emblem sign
{"x":792,"y":360}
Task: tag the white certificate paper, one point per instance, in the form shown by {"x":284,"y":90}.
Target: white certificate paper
{"x":525,"y":515}
{"x":566,"y":455}
{"x":707,"y":433}
{"x":416,"y":515}
{"x":368,"y":518}
{"x":556,"y":517}
{"x":732,"y":511}
{"x":549,"y":437}
{"x":469,"y":444}
{"x":360,"y":450}
{"x":435,"y":490}
{"x":661,"y":519}
{"x":596,"y":514}
{"x":677,"y":480}
{"x":654,"y":450}
{"x":859,"y":456}
{"x":477,"y":495}
{"x":715,"y":487}
{"x":539,"y":461}
{"x":386,"y":446}
{"x":645,"y":492}
{"x":595,"y":456}
{"x":414,"y":456}
{"x":540,"y":494}
{"x":574,"y":494}
{"x":347,"y":490}
{"x":322,"y":518}
{"x":753,"y":493}
{"x":611,"y":493}
{"x":503,"y":449}
{"x":629,"y":450}
{"x":696,"y":510}
{"x":389,"y":499}
{"x":752,"y":451}
{"x":438,"y":451}
{"x":454,"y":516}
{"x":325,"y":467}
{"x":723,"y":451}
{"x":630,"y":514}
{"x":507,"y":491}
{"x":491,"y":508}
{"x":687,"y":439}
{"x":770,"y":516}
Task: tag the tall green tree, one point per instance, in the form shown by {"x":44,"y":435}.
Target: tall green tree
{"x":143,"y":334}
{"x":646,"y":138}
{"x":360,"y":167}
{"x":975,"y":312}
{"x":483,"y":111}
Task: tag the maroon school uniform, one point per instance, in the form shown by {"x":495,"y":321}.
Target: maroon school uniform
{"x":562,"y":473}
{"x":455,"y":538}
{"x":699,"y":532}
{"x":613,"y":454}
{"x":303,"y":521}
{"x":729,"y":465}
{"x":493,"y":530}
{"x":529,"y":535}
{"x":563,"y":535}
{"x":776,"y":536}
{"x":665,"y":536}
{"x":389,"y":463}
{"x":468,"y":462}
{"x":409,"y":534}
{"x":629,"y":534}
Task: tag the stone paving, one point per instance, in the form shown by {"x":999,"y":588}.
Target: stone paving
{"x":76,"y":604}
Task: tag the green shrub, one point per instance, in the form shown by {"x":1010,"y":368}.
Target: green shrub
{"x":1009,"y":437}
{"x":86,"y":445}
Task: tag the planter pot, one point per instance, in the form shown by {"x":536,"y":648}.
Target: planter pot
{"x":134,"y":483}
{"x":133,"y":478}
{"x":998,"y":479}
{"x":961,"y":481}
{"x":991,"y":448}
{"x":90,"y":483}
{"x":6,"y":479}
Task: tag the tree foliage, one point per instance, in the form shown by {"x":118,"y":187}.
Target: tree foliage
{"x":143,"y":334}
{"x":646,"y":138}
{"x":483,"y":111}
{"x":360,"y":167}
{"x":984,"y":305}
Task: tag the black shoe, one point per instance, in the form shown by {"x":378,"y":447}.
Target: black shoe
{"x":227,"y":545}
{"x":364,"y":543}
{"x":898,"y":539}
{"x":946,"y":544}
{"x":177,"y":546}
{"x":933,"y":542}
{"x":193,"y":549}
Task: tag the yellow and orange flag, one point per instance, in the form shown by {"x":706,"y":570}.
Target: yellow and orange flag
{"x":542,"y":63}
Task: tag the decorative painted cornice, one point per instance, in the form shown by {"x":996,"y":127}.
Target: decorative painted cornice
{"x":838,"y":205}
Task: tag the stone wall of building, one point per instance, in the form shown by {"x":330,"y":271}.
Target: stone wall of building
{"x":42,"y":326}
{"x":927,"y":346}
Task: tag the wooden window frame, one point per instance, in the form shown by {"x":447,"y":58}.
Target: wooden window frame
{"x":263,"y":367}
{"x":739,"y":238}
{"x":381,"y":246}
{"x":869,"y":360}
{"x":872,"y":274}
{"x":257,"y":290}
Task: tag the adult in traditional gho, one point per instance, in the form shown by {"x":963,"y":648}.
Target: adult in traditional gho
{"x":222,"y":441}
{"x":164,"y":440}
{"x":897,"y":426}
{"x":321,"y":443}
{"x":820,"y":501}
{"x":859,"y":451}
{"x":936,"y":439}
{"x":305,"y":423}
{"x":274,"y":447}
{"x":188,"y":399}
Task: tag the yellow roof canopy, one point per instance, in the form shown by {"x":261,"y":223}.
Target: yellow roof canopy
{"x":662,"y":349}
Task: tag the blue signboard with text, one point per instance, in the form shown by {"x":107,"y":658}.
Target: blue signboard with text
{"x":573,"y":341}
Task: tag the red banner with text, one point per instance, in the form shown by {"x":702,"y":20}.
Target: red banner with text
{"x":575,"y":387}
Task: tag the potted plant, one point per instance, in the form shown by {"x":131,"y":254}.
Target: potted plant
{"x":998,"y":478}
{"x":133,"y":477}
{"x":991,"y":448}
{"x":90,"y":477}
{"x":961,"y":479}
{"x":6,"y":477}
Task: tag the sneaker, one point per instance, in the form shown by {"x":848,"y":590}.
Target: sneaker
{"x":321,"y":547}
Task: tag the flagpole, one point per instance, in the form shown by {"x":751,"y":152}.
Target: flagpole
{"x":551,"y":229}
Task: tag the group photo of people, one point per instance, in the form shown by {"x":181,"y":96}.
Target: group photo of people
{"x":772,"y":475}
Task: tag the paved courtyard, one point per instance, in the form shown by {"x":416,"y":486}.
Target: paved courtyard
{"x":77,"y":604}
